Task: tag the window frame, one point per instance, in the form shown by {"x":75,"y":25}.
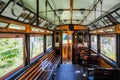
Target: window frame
{"x":115,"y":16}
{"x":5,"y":23}
{"x":46,"y":42}
{"x":40,"y":54}
{"x":8,"y":35}
{"x":91,"y":42}
{"x":107,"y":57}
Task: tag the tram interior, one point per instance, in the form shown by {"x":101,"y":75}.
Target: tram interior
{"x":59,"y":39}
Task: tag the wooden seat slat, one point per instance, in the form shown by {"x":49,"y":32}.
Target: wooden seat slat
{"x":42,"y":69}
{"x":31,"y":74}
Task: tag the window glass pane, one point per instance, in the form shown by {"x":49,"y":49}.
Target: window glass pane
{"x":101,"y":23}
{"x":70,"y":39}
{"x":3,"y":3}
{"x":65,"y":38}
{"x":40,"y":21}
{"x":106,"y":24}
{"x":94,"y":42}
{"x":96,"y":25}
{"x":36,"y":45}
{"x":118,"y":11}
{"x":93,"y":27}
{"x":108,"y":46}
{"x":108,"y":21}
{"x":11,"y":54}
{"x":90,"y":27}
{"x":29,"y":17}
{"x":35,"y":23}
{"x":8,"y":13}
{"x":3,"y":24}
{"x":14,"y":26}
{"x":116,"y":16}
{"x":24,"y":15}
{"x":48,"y":42}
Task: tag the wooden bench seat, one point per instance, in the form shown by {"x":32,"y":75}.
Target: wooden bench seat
{"x":105,"y":74}
{"x":91,"y":60}
{"x":43,"y":69}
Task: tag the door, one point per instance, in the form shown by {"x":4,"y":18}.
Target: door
{"x":67,"y":48}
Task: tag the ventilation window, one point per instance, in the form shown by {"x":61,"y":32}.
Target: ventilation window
{"x":3,"y":24}
{"x":116,"y":16}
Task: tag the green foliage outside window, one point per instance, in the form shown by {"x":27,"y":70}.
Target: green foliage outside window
{"x":48,"y":42}
{"x":94,"y":42}
{"x":108,"y":47}
{"x":36,"y":45}
{"x":11,"y":54}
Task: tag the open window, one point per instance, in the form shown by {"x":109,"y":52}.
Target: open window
{"x":11,"y":52}
{"x":94,"y":42}
{"x":116,"y":16}
{"x":3,"y":24}
{"x":17,"y":27}
{"x":24,"y":15}
{"x":8,"y":13}
{"x":29,"y":18}
{"x":36,"y":45}
{"x":108,"y":20}
{"x":108,"y":46}
{"x":101,"y":23}
{"x":3,"y":4}
{"x":106,"y":24}
{"x":48,"y":42}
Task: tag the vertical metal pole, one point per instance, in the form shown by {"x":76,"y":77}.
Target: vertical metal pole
{"x":89,"y":43}
{"x":44,"y":43}
{"x":118,"y":50}
{"x":27,"y":43}
{"x":53,"y":40}
{"x":37,"y":12}
{"x":61,"y":44}
{"x":98,"y":43}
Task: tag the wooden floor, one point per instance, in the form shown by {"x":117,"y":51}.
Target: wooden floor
{"x":70,"y":72}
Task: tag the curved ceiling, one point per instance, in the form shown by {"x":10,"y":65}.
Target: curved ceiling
{"x":60,"y":12}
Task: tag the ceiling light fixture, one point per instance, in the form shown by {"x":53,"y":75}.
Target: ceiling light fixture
{"x":82,"y":10}
{"x":60,"y":11}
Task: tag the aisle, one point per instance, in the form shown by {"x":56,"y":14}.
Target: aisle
{"x":69,"y":72}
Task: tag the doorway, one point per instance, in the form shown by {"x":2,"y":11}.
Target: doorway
{"x":67,"y":48}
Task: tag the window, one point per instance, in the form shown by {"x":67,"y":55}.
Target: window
{"x":108,"y":46}
{"x":8,"y":13}
{"x":11,"y":52}
{"x":65,"y":38}
{"x":108,"y":21}
{"x":101,"y":23}
{"x":48,"y":42}
{"x":3,"y":3}
{"x":94,"y":42}
{"x":91,"y":27}
{"x":96,"y":25}
{"x":24,"y":15}
{"x":29,"y":17}
{"x":116,"y":16}
{"x":3,"y":24}
{"x":106,"y":24}
{"x":36,"y":45}
{"x":118,"y":11}
{"x":18,"y":27}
